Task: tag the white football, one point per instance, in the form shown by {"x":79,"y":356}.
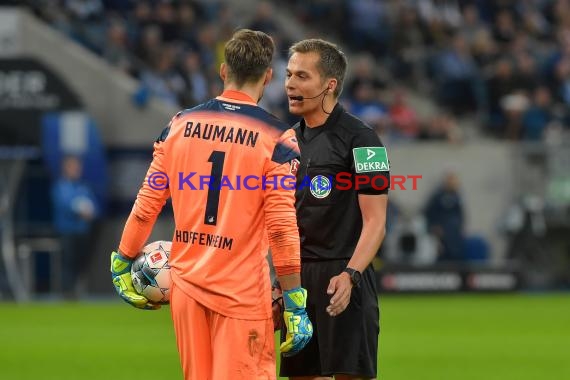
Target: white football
{"x":151,"y":273}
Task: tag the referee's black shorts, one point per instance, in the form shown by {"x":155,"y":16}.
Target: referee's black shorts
{"x":345,"y":344}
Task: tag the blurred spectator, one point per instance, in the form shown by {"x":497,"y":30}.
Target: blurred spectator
{"x":117,"y":50}
{"x":521,"y":44}
{"x":514,"y":106}
{"x":504,"y":28}
{"x":209,"y":47}
{"x":485,"y":50}
{"x":368,"y":26}
{"x":446,"y":218}
{"x":408,"y":45}
{"x":471,"y":27}
{"x":196,"y":81}
{"x":263,"y":19}
{"x":525,"y":226}
{"x":120,"y":7}
{"x":140,"y":17}
{"x":87,"y":22}
{"x":538,"y":116}
{"x":404,"y":120}
{"x":459,"y":84}
{"x":166,"y":21}
{"x":440,"y":17}
{"x":527,"y":76}
{"x":75,"y":209}
{"x":164,"y":82}
{"x":364,"y":71}
{"x":444,"y":12}
{"x":556,"y":11}
{"x":501,"y":83}
{"x":366,"y":106}
{"x":273,"y":98}
{"x":560,"y":75}
{"x":85,"y":9}
{"x":533,"y":18}
{"x":441,"y":127}
{"x":150,"y":43}
{"x":188,"y":15}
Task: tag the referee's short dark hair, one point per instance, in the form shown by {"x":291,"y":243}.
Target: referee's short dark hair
{"x":248,"y":54}
{"x":332,"y":61}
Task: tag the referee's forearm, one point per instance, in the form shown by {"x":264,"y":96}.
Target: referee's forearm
{"x":370,"y":240}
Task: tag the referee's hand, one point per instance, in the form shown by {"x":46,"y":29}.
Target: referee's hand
{"x":340,"y":288}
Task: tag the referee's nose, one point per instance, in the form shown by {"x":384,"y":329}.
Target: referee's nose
{"x":289,"y":82}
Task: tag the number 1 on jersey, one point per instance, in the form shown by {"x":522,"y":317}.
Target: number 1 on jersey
{"x":213,"y":203}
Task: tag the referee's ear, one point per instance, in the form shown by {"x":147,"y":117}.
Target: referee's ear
{"x":332,"y":86}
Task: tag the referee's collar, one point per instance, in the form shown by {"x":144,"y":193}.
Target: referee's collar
{"x":331,"y":120}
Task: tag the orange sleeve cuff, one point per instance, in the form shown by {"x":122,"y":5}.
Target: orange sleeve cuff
{"x":288,"y":269}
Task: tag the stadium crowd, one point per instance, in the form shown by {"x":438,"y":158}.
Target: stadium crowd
{"x":506,"y":62}
{"x":174,"y":49}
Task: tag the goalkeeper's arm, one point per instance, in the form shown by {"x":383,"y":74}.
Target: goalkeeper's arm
{"x":280,"y":213}
{"x":137,"y":229}
{"x":283,"y":235}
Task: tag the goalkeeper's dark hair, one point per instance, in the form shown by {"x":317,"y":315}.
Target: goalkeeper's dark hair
{"x":248,"y":54}
{"x":332,"y":61}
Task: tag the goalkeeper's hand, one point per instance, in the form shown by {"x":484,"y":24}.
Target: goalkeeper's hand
{"x":121,"y":274}
{"x":296,"y":320}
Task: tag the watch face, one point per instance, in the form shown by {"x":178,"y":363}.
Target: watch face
{"x":356,"y":276}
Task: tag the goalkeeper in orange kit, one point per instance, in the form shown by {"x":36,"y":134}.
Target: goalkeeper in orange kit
{"x":221,"y":294}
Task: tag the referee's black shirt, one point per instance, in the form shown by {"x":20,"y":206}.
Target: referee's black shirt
{"x":333,"y":156}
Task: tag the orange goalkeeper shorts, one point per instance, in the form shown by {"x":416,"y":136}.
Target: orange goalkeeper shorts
{"x":216,"y":347}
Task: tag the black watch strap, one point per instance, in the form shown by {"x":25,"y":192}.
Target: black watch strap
{"x":355,"y":276}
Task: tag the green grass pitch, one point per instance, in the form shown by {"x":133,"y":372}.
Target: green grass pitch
{"x":429,"y":337}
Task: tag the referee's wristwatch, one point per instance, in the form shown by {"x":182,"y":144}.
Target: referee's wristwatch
{"x":355,"y":276}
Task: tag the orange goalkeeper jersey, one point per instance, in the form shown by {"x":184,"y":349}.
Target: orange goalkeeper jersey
{"x":228,"y":166}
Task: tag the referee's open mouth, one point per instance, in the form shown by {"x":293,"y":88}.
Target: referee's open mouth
{"x":293,"y":100}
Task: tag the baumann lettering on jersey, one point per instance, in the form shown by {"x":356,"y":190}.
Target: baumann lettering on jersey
{"x":224,"y":134}
{"x":202,"y":238}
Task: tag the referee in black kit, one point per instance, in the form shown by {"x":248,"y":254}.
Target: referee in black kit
{"x":341,"y":199}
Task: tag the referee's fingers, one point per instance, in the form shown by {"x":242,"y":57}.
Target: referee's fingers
{"x":336,"y":297}
{"x":336,"y":309}
{"x":332,"y":285}
{"x":339,"y":299}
